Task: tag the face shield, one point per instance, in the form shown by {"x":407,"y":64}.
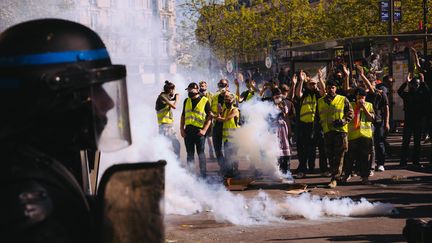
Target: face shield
{"x":108,"y":99}
{"x":111,"y":115}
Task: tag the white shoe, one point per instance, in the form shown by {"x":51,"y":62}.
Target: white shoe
{"x":381,"y":168}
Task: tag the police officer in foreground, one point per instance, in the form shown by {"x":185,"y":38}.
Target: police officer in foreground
{"x":59,"y":94}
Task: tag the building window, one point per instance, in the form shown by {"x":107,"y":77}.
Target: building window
{"x":164,"y":24}
{"x":164,"y":4}
{"x":163,"y":50}
{"x":94,"y":20}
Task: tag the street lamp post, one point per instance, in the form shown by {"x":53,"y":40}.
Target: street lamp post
{"x":390,"y":32}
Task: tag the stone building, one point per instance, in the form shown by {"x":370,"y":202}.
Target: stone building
{"x":139,"y":33}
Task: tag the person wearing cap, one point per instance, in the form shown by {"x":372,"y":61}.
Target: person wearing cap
{"x":165,"y":102}
{"x":204,"y":92}
{"x":308,"y":128}
{"x":230,"y":119}
{"x":335,"y":112}
{"x":195,"y":120}
{"x":360,"y":132}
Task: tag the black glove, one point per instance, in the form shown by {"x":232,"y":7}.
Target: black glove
{"x":338,"y":123}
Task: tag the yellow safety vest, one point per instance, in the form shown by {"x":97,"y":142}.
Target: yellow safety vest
{"x":365,"y":126}
{"x":228,"y":126}
{"x":209,"y":96}
{"x":331,"y":112}
{"x":165,"y":115}
{"x":197,"y":116}
{"x":250,"y":95}
{"x":214,"y":104}
{"x":308,"y":108}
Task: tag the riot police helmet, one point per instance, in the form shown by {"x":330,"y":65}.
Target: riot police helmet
{"x":58,"y":85}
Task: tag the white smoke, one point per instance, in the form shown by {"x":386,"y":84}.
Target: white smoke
{"x":185,"y":194}
{"x":257,"y":142}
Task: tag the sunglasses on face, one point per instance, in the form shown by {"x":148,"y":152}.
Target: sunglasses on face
{"x":222,"y":85}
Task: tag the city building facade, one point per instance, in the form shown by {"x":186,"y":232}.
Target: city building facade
{"x":139,"y":33}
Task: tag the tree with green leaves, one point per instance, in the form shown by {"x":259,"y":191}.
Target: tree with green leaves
{"x":233,"y":30}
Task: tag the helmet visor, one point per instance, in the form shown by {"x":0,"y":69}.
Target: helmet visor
{"x":111,"y":115}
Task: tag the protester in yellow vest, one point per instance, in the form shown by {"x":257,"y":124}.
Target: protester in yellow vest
{"x":165,"y":102}
{"x":360,"y":137}
{"x":309,"y":132}
{"x":335,"y":113}
{"x":229,"y":118}
{"x":218,"y":105}
{"x":204,"y":92}
{"x":195,"y":120}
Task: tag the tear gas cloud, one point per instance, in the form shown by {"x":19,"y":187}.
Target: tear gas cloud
{"x":186,"y":194}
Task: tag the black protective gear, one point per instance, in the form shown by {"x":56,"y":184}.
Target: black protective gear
{"x":58,"y":92}
{"x":42,"y":202}
{"x":55,"y":74}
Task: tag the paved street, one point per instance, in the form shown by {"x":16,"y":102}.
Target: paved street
{"x":408,"y":189}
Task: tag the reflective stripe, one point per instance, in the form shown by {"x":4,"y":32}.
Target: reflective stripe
{"x":195,"y":119}
{"x":307,"y":113}
{"x":54,"y":57}
{"x":196,"y":112}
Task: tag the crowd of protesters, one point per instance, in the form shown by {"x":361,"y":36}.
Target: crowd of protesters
{"x":345,"y":115}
